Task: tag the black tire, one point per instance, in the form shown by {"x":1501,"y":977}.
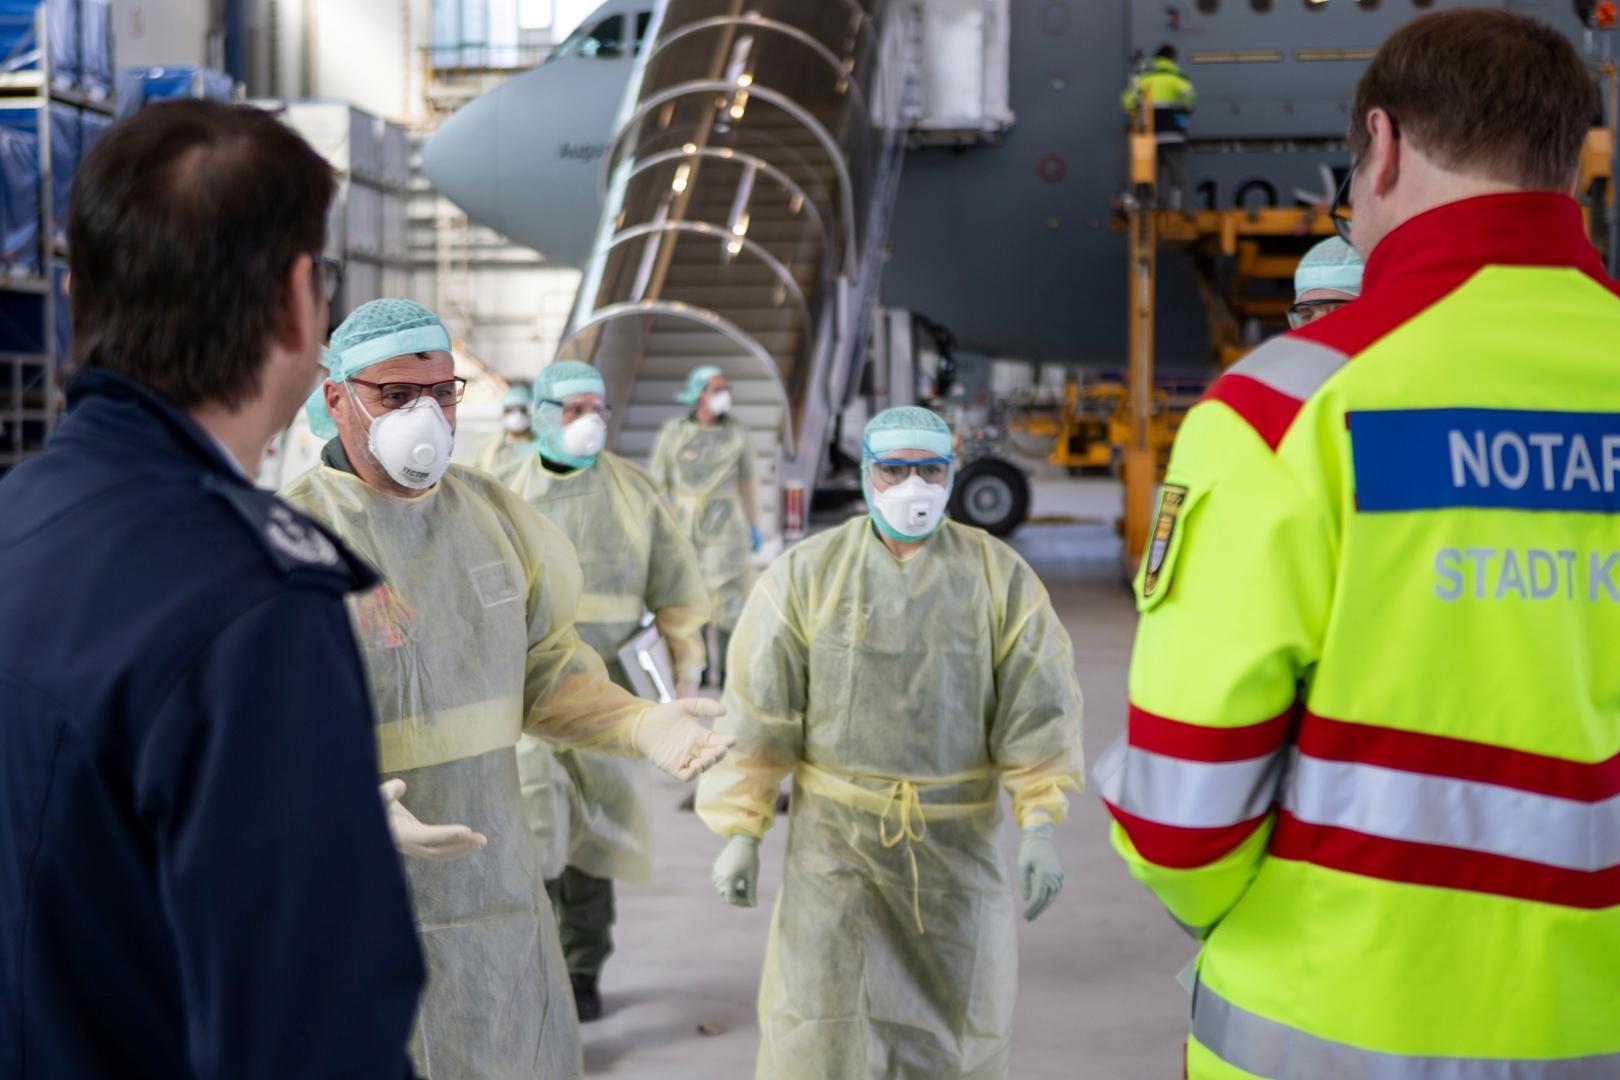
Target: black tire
{"x":991,"y":494}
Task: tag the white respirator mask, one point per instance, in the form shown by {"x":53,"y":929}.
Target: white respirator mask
{"x":516,"y":422}
{"x":585,"y":437}
{"x":412,"y":444}
{"x":913,"y":509}
{"x":720,"y":403}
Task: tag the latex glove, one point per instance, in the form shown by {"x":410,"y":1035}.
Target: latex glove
{"x":1039,"y":870}
{"x":756,"y":539}
{"x":441,"y":843}
{"x":670,"y":736}
{"x":687,"y":683}
{"x":736,"y":872}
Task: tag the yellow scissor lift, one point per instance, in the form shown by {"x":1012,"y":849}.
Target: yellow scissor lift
{"x":1263,"y":246}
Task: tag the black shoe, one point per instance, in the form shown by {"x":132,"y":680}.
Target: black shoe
{"x":783,"y":802}
{"x":587,"y":999}
{"x":689,"y":804}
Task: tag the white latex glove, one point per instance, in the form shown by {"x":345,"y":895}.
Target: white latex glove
{"x":441,"y":843}
{"x":670,"y":736}
{"x":1039,"y":869}
{"x":736,"y":872}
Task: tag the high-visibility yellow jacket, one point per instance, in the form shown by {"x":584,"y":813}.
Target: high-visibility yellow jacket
{"x":1171,"y":93}
{"x":1373,"y":757}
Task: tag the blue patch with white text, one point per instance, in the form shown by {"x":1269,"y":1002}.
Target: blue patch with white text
{"x":1510,"y":459}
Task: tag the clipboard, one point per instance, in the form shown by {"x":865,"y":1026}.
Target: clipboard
{"x":646,"y":662}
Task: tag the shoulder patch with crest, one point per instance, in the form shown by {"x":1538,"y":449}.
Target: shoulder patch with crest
{"x":296,"y":545}
{"x":1163,"y":544}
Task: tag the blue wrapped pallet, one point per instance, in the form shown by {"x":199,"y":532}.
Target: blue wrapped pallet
{"x":19,"y":201}
{"x":143,"y":85}
{"x":95,"y":49}
{"x":92,"y":126}
{"x":19,"y":38}
{"x":66,"y":149}
{"x":64,"y":145}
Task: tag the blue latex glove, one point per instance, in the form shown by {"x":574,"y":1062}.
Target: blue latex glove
{"x":736,"y":872}
{"x":1039,"y":870}
{"x":755,"y":538}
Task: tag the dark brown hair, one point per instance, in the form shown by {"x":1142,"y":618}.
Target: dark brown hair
{"x":183,"y":224}
{"x":1483,"y":91}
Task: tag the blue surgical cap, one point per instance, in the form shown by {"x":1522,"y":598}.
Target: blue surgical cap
{"x":373,"y":332}
{"x":696,"y":383}
{"x":907,"y":428}
{"x":563,"y":379}
{"x":1332,"y":264}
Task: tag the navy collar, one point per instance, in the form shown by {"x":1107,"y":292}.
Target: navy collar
{"x":117,"y":408}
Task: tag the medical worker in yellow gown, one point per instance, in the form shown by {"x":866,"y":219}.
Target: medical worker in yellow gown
{"x":902,"y":669}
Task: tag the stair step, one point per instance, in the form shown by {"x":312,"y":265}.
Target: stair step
{"x":660,"y":388}
{"x":778,"y":343}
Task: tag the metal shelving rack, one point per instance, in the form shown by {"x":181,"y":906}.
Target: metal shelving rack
{"x":31,"y":397}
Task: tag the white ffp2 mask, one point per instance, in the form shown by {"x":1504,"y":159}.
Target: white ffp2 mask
{"x":912,"y":509}
{"x":585,"y":437}
{"x":413,"y":444}
{"x":516,"y":422}
{"x":720,"y":403}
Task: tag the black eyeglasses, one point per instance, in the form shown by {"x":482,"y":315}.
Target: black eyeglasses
{"x":331,"y":277}
{"x":1308,"y":311}
{"x":1340,"y":210}
{"x":404,"y":395}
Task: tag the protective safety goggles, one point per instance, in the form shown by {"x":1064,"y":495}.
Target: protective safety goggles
{"x":580,"y":411}
{"x":892,"y":472}
{"x":404,"y":395}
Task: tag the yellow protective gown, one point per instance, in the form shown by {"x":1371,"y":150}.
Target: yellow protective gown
{"x":701,"y":469}
{"x":499,"y":456}
{"x":469,"y":641}
{"x":589,"y":810}
{"x":897,"y":694}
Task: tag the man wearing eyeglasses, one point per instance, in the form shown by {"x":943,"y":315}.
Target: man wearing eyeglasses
{"x":903,"y":669}
{"x":196,"y":878}
{"x":468,"y":643}
{"x":1327,"y":278}
{"x":1373,"y":758}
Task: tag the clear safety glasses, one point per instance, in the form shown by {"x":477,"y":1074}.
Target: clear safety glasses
{"x":932,"y":470}
{"x":579,"y":410}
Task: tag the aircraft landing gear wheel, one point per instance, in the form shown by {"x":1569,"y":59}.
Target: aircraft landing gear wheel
{"x":991,"y":494}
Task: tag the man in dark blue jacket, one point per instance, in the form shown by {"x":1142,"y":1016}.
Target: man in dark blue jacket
{"x":196,"y":876}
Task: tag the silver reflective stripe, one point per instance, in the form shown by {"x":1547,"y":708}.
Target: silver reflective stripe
{"x":1188,"y":794}
{"x":1464,"y":814}
{"x":1278,"y":1052}
{"x":1291,"y":366}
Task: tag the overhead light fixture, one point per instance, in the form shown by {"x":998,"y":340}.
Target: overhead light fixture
{"x":682,"y":175}
{"x":740,"y":226}
{"x":745,"y":79}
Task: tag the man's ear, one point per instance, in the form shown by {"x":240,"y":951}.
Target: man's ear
{"x":337,"y":402}
{"x":1383,"y":152}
